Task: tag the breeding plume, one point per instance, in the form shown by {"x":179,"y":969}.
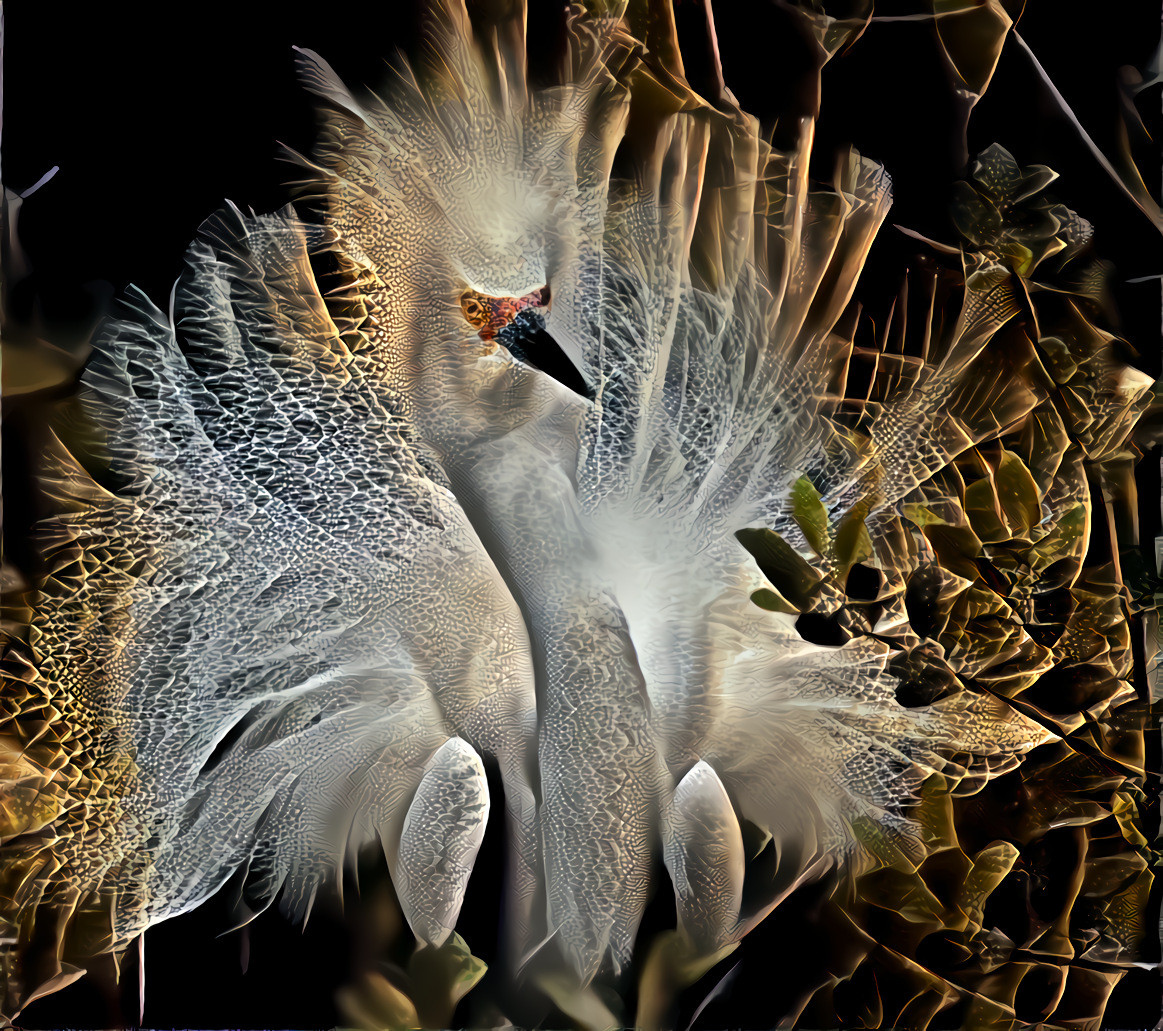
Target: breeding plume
{"x":742,"y":579}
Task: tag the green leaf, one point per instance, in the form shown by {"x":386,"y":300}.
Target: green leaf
{"x":810,"y":514}
{"x":985,"y":515}
{"x":833,"y":33}
{"x":443,"y":976}
{"x":1067,"y":540}
{"x":957,"y":547}
{"x":972,"y":40}
{"x":1126,"y":813}
{"x":375,"y":1002}
{"x":768,"y":599}
{"x":921,"y":515}
{"x":990,"y":867}
{"x":791,"y":574}
{"x":1021,"y":258}
{"x":853,"y":543}
{"x":1018,"y":495}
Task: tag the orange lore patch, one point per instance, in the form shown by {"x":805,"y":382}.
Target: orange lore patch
{"x":492,"y":314}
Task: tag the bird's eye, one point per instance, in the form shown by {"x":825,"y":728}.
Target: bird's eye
{"x":489,"y":315}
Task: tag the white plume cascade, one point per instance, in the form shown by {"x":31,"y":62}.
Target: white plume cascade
{"x":370,"y":547}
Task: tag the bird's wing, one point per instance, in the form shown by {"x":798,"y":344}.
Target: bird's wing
{"x":286,"y":614}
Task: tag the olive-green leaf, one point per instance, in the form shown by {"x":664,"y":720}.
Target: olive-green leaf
{"x":957,"y":548}
{"x":768,"y":599}
{"x":1067,"y":540}
{"x":972,"y":38}
{"x":810,"y":514}
{"x":1018,"y":494}
{"x":790,"y":573}
{"x":852,"y":543}
{"x":985,"y":515}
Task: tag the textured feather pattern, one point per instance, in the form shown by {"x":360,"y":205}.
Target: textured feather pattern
{"x":371,"y":548}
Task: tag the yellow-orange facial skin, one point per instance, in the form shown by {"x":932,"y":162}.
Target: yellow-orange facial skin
{"x":490,"y":315}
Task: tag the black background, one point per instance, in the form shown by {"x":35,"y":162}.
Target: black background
{"x":157,"y":113}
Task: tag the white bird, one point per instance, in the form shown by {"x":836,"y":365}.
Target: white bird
{"x":358,"y":547}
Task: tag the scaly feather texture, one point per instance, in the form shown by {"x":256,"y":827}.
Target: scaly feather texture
{"x":356,"y":547}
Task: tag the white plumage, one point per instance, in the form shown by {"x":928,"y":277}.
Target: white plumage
{"x":377,"y":549}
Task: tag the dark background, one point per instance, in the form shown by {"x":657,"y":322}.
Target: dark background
{"x":157,"y":113}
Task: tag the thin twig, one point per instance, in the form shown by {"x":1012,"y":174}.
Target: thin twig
{"x":1145,"y":204}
